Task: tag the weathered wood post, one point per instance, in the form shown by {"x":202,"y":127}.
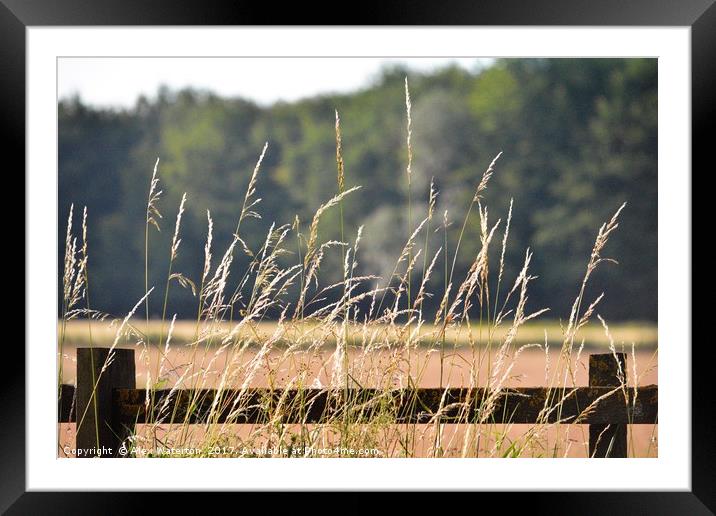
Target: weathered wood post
{"x":607,"y":440}
{"x":99,"y":432}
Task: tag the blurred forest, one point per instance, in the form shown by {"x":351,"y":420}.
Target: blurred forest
{"x":579,"y":138}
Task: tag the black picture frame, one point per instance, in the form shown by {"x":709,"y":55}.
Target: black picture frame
{"x":700,"y":15}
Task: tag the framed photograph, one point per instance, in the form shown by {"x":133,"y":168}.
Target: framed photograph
{"x":439,"y":250}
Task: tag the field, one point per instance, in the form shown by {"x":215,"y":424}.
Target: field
{"x":531,"y":368}
{"x":643,"y":335}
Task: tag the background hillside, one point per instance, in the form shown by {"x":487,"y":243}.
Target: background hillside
{"x":579,"y":137}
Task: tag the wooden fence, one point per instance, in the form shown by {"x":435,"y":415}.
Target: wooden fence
{"x":120,"y":405}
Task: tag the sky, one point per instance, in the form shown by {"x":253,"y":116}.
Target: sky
{"x":117,"y":82}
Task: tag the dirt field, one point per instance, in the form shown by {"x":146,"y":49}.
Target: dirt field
{"x":530,"y":369}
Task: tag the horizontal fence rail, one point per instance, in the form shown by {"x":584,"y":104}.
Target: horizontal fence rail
{"x":117,"y":406}
{"x":583,"y":405}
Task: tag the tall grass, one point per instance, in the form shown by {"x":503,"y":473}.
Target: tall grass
{"x":362,"y":331}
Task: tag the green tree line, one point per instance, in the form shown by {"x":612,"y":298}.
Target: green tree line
{"x":578,"y":136}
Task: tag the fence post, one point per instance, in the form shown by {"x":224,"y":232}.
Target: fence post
{"x":607,"y":440}
{"x":99,"y":432}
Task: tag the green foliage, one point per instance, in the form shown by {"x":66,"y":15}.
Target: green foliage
{"x":578,"y":136}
